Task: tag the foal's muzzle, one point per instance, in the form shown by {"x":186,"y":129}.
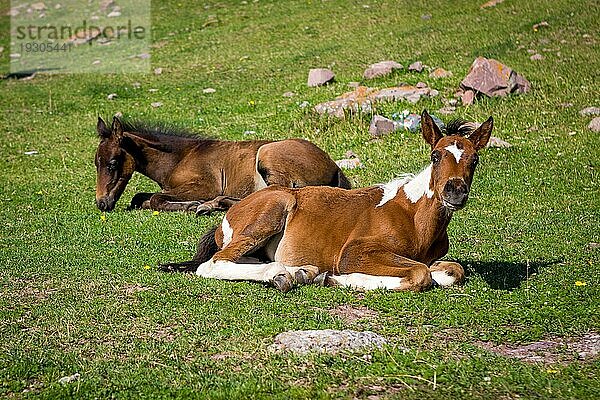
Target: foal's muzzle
{"x":455,"y":194}
{"x":105,"y":204}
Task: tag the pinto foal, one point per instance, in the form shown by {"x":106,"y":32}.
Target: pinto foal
{"x":387,"y":236}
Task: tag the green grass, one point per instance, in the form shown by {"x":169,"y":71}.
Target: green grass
{"x":75,"y":296}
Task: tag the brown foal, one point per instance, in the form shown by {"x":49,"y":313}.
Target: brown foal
{"x":198,"y":174}
{"x":388,"y":236}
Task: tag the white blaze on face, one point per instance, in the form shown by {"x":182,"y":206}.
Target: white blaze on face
{"x":227,"y":232}
{"x":455,"y":151}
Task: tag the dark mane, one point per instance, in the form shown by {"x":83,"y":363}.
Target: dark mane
{"x":157,"y":131}
{"x":460,"y":127}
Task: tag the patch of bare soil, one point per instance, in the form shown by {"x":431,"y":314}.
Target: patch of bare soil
{"x":551,"y":351}
{"x":350,"y":314}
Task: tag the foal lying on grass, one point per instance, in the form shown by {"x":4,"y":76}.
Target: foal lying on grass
{"x":387,"y":236}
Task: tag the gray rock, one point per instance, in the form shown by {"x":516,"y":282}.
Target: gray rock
{"x":157,"y":71}
{"x":590,"y":111}
{"x":498,"y":143}
{"x":349,"y":163}
{"x":421,"y":85}
{"x":447,"y":110}
{"x":440,"y":73}
{"x":417,"y":66}
{"x":320,"y":77}
{"x":209,"y":90}
{"x":381,"y":126}
{"x":327,"y":341}
{"x":381,"y":68}
{"x":289,"y":94}
{"x":156,"y":104}
{"x":492,"y":78}
{"x":536,"y":57}
{"x":467,"y":97}
{"x":111,"y":96}
{"x":594,"y":125}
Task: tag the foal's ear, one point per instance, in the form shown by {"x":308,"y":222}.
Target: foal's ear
{"x":481,"y":135}
{"x":117,"y":128}
{"x":429,"y":129}
{"x":102,"y":129}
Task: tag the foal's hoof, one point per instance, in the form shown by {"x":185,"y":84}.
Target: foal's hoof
{"x":321,"y":279}
{"x":283,"y":282}
{"x":203,"y":210}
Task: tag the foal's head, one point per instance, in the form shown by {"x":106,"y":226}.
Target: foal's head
{"x":114,"y":165}
{"x":454,"y":158}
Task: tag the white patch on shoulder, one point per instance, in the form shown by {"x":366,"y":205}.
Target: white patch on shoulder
{"x":442,"y":278}
{"x":390,"y":189}
{"x":419,"y":186}
{"x":367,"y":282}
{"x":227,"y":232}
{"x":455,"y":151}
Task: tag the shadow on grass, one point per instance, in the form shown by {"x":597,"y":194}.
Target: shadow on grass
{"x":505,"y":275}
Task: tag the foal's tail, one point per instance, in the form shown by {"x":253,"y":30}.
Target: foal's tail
{"x":340,"y":180}
{"x":207,"y":247}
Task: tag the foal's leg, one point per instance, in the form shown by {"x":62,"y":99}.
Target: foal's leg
{"x":447,"y":273}
{"x":140,"y":200}
{"x":367,"y":264}
{"x":219,"y":203}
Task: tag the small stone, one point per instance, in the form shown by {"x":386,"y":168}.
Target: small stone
{"x":353,"y":85}
{"x":426,"y":17}
{"x":1,"y":49}
{"x":468,"y":97}
{"x":156,"y":104}
{"x":157,"y":71}
{"x":31,"y":152}
{"x":498,"y":143}
{"x":542,"y":24}
{"x":593,"y":246}
{"x":566,"y":105}
{"x":447,"y":110}
{"x":143,"y":56}
{"x":421,"y":85}
{"x":114,"y":14}
{"x":289,"y":94}
{"x":38,"y":6}
{"x":349,"y":163}
{"x":209,"y":90}
{"x":118,"y":114}
{"x":380,"y":69}
{"x":327,"y":341}
{"x":440,"y":73}
{"x":106,"y":4}
{"x":594,"y":125}
{"x":13,"y":12}
{"x":136,"y":85}
{"x":417,"y":66}
{"x":111,"y":96}
{"x":453,"y":102}
{"x":304,"y":104}
{"x":57,"y":6}
{"x":491,"y":3}
{"x":320,"y":77}
{"x":433,"y":93}
{"x":96,"y":62}
{"x":68,"y":379}
{"x":14,"y":55}
{"x":152,"y":90}
{"x":536,"y":57}
{"x":247,"y":133}
{"x":380,"y":126}
{"x":588,"y":111}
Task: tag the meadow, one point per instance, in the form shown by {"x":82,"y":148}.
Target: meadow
{"x":80,"y":292}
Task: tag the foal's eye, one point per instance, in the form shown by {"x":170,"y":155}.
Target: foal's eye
{"x":475,"y":161}
{"x":112,"y":165}
{"x":436,"y":157}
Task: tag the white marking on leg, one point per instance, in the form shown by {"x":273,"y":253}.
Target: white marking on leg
{"x":227,"y":232}
{"x":390,"y":189}
{"x":231,"y":271}
{"x":442,"y":278}
{"x":419,"y":185}
{"x":259,"y":182}
{"x":455,"y":151}
{"x":367,"y":282}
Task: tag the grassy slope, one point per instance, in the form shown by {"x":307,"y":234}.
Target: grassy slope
{"x":75,"y":294}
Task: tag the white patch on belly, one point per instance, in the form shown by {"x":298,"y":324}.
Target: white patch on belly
{"x":442,"y":278}
{"x":367,"y":282}
{"x":419,"y":186}
{"x":455,"y":151}
{"x":227,"y":232}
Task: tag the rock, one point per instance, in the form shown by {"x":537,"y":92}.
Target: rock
{"x":590,"y":111}
{"x":381,"y":68}
{"x":320,"y":77}
{"x":114,"y":14}
{"x":136,"y":85}
{"x":536,"y":57}
{"x":68,"y":379}
{"x":467,"y":97}
{"x":381,"y":126}
{"x":426,"y":17}
{"x":440,"y":73}
{"x":304,"y":104}
{"x":289,"y":94}
{"x":152,"y":90}
{"x":111,"y":96}
{"x":594,"y":125}
{"x":542,"y":24}
{"x":349,"y":163}
{"x":353,"y":85}
{"x":96,"y":62}
{"x":327,"y":341}
{"x":498,"y":143}
{"x":433,"y":93}
{"x":453,"y":102}
{"x":38,"y":6}
{"x":447,"y":110}
{"x":491,"y":3}
{"x":492,"y":78}
{"x":248,"y":133}
{"x":417,"y":66}
{"x":106,"y":4}
{"x":209,"y":90}
{"x":363,"y":98}
{"x":421,"y":85}
{"x":157,"y":71}
{"x":31,"y":152}
{"x":156,"y":104}
{"x":1,"y":49}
